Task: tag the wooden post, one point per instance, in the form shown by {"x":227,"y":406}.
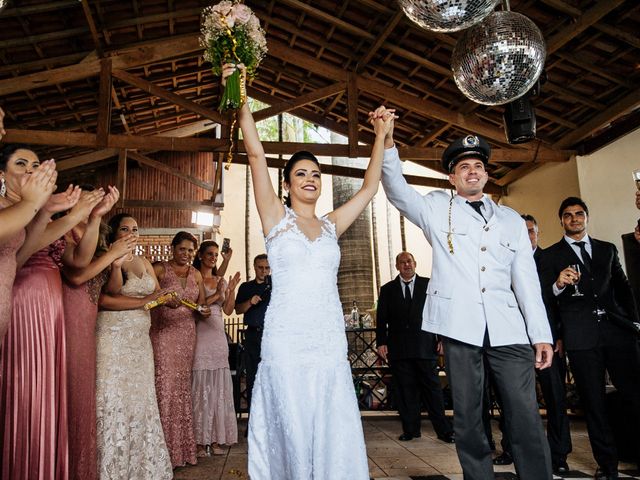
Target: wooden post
{"x":122,"y":176}
{"x":104,"y":104}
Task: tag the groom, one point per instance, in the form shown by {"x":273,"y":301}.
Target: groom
{"x":483,"y":281}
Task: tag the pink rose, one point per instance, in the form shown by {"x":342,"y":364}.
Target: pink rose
{"x":242,"y":13}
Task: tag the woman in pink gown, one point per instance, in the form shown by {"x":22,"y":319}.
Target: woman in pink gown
{"x":14,"y":217}
{"x":33,"y":405}
{"x":81,"y":291}
{"x":173,"y":336}
{"x":213,"y":409}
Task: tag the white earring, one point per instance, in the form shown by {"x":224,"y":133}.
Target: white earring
{"x":3,"y":188}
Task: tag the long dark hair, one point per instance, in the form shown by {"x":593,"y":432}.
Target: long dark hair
{"x":114,"y":224}
{"x":197,"y":263}
{"x":295,"y":158}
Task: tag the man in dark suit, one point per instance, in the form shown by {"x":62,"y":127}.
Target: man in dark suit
{"x":410,"y":351}
{"x":596,"y":311}
{"x":552,"y":385}
{"x":631,"y":249}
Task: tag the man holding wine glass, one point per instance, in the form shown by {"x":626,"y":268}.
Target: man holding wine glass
{"x":584,"y":285}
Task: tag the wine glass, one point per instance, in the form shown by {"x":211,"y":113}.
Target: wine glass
{"x":636,"y":178}
{"x":576,"y":292}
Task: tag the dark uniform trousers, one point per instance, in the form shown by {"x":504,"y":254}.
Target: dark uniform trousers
{"x":552,"y":384}
{"x":511,"y":366}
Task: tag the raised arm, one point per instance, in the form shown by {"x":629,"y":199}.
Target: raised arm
{"x":347,"y":213}
{"x":119,"y":248}
{"x":270,"y":209}
{"x":79,"y":255}
{"x":401,"y":195}
{"x":36,"y":190}
{"x":230,"y":294}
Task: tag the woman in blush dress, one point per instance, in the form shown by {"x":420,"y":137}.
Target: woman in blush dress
{"x":81,"y":290}
{"x":213,"y":409}
{"x":304,"y":419}
{"x":15,"y":215}
{"x":129,"y":433}
{"x":33,"y":419}
{"x":173,"y":336}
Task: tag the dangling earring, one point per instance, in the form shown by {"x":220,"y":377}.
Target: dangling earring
{"x":3,"y":188}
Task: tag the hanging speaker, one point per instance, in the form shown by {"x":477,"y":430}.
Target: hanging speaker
{"x":520,"y":120}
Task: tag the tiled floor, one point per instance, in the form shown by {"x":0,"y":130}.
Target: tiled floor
{"x":423,"y":458}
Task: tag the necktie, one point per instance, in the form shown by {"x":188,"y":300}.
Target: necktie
{"x":476,"y":205}
{"x":586,"y":258}
{"x":407,"y":291}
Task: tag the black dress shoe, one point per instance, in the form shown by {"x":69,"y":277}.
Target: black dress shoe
{"x":448,"y":437}
{"x":405,"y":437}
{"x":504,"y":458}
{"x":560,"y":467}
{"x":605,"y":475}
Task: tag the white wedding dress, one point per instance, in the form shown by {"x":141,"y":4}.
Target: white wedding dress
{"x":304,"y":422}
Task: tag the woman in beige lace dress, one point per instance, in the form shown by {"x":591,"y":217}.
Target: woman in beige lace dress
{"x":130,"y":440}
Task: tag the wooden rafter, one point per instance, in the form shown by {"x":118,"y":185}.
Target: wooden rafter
{"x":621,"y":107}
{"x":144,"y":160}
{"x":588,"y":18}
{"x":301,"y":101}
{"x":121,"y":181}
{"x":104,"y":103}
{"x":129,"y":58}
{"x":169,"y":96}
{"x":92,"y":26}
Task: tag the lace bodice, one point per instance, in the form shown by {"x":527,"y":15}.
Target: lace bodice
{"x":138,"y":286}
{"x":305,"y":293}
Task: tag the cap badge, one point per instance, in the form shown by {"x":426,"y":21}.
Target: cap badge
{"x":470,"y":141}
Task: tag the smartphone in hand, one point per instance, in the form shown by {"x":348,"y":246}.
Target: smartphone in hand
{"x":225,"y":245}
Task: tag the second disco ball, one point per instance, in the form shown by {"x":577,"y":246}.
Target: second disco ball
{"x":447,"y":15}
{"x":498,"y":59}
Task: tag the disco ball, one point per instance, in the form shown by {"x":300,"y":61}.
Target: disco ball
{"x":447,"y":15}
{"x":499,"y":59}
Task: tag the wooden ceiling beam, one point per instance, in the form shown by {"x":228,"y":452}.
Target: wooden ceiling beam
{"x":50,"y":6}
{"x":351,"y":172}
{"x":302,"y":100}
{"x":589,"y":64}
{"x":564,"y":7}
{"x":104,"y":103}
{"x":516,"y":174}
{"x":619,"y":34}
{"x":92,"y":27}
{"x":144,"y":160}
{"x":86,"y":159}
{"x":621,"y":107}
{"x":169,"y":96}
{"x":133,"y":142}
{"x":382,"y":37}
{"x":425,"y":107}
{"x":587,"y":19}
{"x":123,"y":59}
{"x":352,"y":112}
{"x":311,"y":117}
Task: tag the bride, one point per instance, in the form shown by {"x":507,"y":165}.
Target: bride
{"x":304,"y":421}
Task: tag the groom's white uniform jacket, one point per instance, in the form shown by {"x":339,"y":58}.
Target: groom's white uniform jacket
{"x":490,"y":274}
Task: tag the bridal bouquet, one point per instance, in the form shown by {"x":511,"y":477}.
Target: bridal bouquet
{"x":231,"y":33}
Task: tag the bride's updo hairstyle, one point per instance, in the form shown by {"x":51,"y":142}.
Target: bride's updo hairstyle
{"x":295,"y":158}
